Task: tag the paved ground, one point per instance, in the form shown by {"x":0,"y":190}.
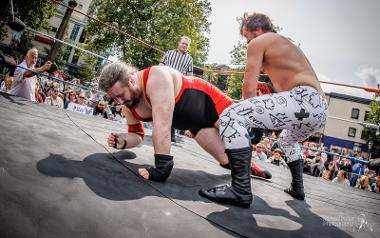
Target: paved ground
{"x":58,"y":178}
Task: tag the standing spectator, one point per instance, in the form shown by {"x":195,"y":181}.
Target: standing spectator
{"x":6,"y":85}
{"x":341,"y":178}
{"x":54,"y":99}
{"x":24,"y":82}
{"x":180,"y":60}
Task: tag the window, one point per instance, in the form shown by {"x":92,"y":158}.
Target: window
{"x":366,"y":115}
{"x":351,"y":132}
{"x":74,"y":32}
{"x":82,"y":37}
{"x":355,"y":113}
{"x":62,"y":9}
{"x":362,"y":135}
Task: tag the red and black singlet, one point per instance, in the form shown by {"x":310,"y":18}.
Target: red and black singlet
{"x":197,"y":105}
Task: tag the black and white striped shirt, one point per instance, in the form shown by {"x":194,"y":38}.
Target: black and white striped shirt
{"x":178,"y":60}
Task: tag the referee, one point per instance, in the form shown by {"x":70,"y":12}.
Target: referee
{"x":180,"y":60}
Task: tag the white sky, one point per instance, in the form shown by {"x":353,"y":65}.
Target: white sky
{"x":340,"y":37}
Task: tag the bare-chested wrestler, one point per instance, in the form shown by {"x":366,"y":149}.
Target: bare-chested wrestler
{"x":298,"y":108}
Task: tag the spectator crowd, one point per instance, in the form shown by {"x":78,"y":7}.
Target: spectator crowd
{"x":332,"y":165}
{"x":53,"y":87}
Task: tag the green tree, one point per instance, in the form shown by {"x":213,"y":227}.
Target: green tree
{"x":371,"y":134}
{"x":210,"y":73}
{"x":239,"y":54}
{"x":159,"y":23}
{"x":35,"y":14}
{"x":234,"y":85}
{"x":234,"y":81}
{"x":87,"y":69}
{"x":216,"y":74}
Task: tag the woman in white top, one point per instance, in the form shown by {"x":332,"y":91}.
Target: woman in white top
{"x":341,"y":178}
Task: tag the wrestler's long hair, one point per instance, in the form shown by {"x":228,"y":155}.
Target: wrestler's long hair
{"x":254,"y":21}
{"x":113,"y":72}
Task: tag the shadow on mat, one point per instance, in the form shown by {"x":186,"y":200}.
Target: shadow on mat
{"x":10,"y":97}
{"x":107,"y":178}
{"x":263,"y":220}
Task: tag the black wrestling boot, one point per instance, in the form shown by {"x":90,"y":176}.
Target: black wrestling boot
{"x":239,"y":192}
{"x":296,"y":188}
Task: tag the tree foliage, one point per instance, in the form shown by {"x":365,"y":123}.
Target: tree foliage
{"x":234,"y":85}
{"x":371,"y":134}
{"x":239,"y":53}
{"x":87,"y":70}
{"x":159,"y":23}
{"x":35,"y":14}
{"x":235,"y":80}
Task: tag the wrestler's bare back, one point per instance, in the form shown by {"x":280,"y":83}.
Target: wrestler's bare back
{"x":285,"y":64}
{"x":143,"y":108}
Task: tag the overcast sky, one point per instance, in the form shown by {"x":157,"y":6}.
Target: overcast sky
{"x":341,"y":38}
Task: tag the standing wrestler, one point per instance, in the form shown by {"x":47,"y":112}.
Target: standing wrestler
{"x":164,"y":94}
{"x":298,"y":108}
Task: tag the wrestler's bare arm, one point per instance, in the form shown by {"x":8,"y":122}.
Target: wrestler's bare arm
{"x":161,"y":93}
{"x":133,"y":139}
{"x":255,"y":54}
{"x":130,"y":139}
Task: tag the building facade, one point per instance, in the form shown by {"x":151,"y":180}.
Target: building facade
{"x":74,"y":32}
{"x":343,"y":128}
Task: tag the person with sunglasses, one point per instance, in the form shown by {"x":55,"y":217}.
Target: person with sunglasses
{"x":81,"y":99}
{"x":54,"y":99}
